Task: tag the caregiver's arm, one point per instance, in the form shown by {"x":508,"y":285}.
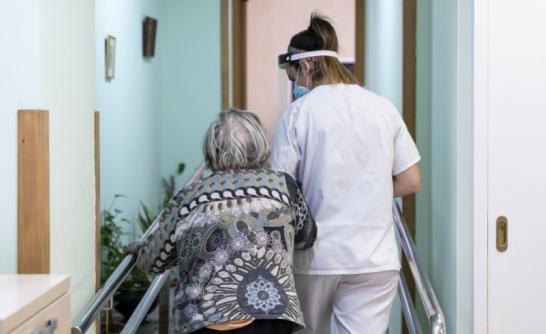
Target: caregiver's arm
{"x":407,"y":182}
{"x":304,"y":223}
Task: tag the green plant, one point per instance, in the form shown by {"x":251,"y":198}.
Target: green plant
{"x":136,"y":283}
{"x":110,"y":235}
{"x":111,"y":232}
{"x":112,"y":247}
{"x":146,"y":216}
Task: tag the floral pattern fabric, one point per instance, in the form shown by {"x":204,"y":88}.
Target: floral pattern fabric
{"x":231,"y":237}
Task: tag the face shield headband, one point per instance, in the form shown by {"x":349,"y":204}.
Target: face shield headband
{"x":286,"y":58}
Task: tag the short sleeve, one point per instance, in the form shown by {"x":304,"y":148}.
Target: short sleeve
{"x":405,"y":150}
{"x":285,"y":152}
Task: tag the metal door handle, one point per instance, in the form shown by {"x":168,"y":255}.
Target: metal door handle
{"x":502,"y":233}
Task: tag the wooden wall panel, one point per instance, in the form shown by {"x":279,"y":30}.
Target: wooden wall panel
{"x":224,"y":33}
{"x":360,"y":38}
{"x":409,"y":78}
{"x":239,"y":53}
{"x":408,"y":91}
{"x":33,"y":232}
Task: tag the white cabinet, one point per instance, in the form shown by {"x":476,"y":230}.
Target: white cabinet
{"x":31,"y":303}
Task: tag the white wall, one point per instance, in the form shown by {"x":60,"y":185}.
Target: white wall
{"x":67,"y":72}
{"x":51,"y":66}
{"x":128,"y":106}
{"x":19,"y":89}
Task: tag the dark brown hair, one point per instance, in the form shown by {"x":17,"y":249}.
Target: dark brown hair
{"x":321,"y":35}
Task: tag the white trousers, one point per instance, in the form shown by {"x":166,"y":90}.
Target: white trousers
{"x":347,"y":304}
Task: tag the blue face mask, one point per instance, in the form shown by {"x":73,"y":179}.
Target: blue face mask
{"x":298,"y":90}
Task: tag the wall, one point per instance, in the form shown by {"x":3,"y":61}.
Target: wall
{"x":190,"y":83}
{"x":383,"y":70}
{"x":444,"y":84}
{"x":270,"y":26}
{"x":51,"y":66}
{"x":451,"y":153}
{"x":384,"y":49}
{"x":128,"y":106}
{"x":155,"y":111}
{"x":19,"y":88}
{"x":67,"y":71}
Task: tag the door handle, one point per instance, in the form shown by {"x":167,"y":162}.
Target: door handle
{"x":502,"y":233}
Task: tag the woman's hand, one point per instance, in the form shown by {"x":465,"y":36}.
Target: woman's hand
{"x":132,"y":248}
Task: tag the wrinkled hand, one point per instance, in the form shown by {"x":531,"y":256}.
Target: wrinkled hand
{"x":132,"y":248}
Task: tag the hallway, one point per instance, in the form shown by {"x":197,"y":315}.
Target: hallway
{"x":106,"y":103}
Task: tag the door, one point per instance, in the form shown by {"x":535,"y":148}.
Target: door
{"x":517,"y":166}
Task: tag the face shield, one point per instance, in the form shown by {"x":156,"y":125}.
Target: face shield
{"x":285,"y":59}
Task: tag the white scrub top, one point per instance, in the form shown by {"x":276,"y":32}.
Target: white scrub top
{"x":344,"y":144}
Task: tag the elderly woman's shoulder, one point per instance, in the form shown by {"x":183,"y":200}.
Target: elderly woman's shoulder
{"x":239,"y":173}
{"x":220,"y":181}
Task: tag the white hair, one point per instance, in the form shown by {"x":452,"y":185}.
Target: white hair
{"x":236,"y":140}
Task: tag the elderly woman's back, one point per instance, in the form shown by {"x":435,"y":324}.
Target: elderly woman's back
{"x":231,"y":236}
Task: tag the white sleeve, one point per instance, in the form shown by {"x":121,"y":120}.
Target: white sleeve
{"x":285,"y":152}
{"x":405,"y":150}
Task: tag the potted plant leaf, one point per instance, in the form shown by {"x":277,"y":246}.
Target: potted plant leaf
{"x":111,"y":254}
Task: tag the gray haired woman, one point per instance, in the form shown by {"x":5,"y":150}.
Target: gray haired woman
{"x":231,"y":237}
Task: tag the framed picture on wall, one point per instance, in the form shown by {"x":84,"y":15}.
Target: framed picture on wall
{"x":109,"y":57}
{"x":149,"y":28}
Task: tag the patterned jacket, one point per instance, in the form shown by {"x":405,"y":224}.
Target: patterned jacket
{"x":231,"y":236}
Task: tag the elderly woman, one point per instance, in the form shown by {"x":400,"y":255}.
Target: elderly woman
{"x":231,"y":237}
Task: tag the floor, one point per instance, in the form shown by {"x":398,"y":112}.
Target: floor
{"x":150,"y":325}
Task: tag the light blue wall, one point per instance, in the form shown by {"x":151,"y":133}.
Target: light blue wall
{"x":190,"y":81}
{"x":451,"y":155}
{"x":155,"y":111}
{"x":444,"y":158}
{"x":384,"y":73}
{"x":444,"y":236}
{"x":128,"y":106}
{"x":384,"y":49}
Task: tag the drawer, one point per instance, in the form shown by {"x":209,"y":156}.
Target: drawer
{"x":58,"y":309}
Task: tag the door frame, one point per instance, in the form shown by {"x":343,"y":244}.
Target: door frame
{"x":233,"y":54}
{"x":481,"y":111}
